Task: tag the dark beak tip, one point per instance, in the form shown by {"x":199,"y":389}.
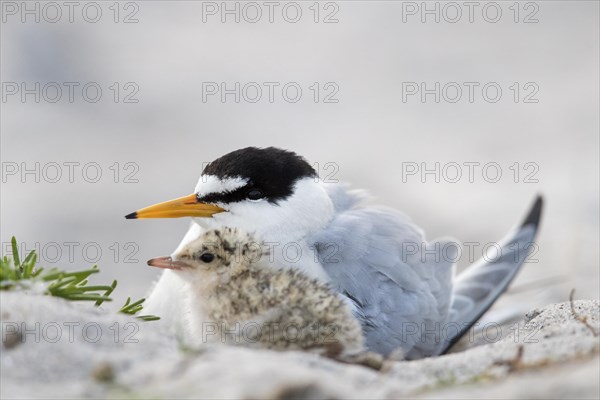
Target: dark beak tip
{"x":133,"y":215}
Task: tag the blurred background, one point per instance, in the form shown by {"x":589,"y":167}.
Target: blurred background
{"x":112,"y":106}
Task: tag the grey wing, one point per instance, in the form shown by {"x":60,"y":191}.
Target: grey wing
{"x":400,"y":285}
{"x":477,"y":288}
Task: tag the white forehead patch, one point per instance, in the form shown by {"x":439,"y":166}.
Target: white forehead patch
{"x":211,"y":184}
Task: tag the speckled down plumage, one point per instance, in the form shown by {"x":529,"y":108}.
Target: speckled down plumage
{"x":239,"y":299}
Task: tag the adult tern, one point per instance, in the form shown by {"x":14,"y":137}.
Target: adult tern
{"x":402,"y":288}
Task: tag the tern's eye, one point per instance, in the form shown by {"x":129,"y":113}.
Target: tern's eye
{"x":255,"y":194}
{"x":207,"y":257}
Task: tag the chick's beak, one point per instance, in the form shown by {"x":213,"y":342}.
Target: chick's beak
{"x":187,"y":206}
{"x":167,"y":263}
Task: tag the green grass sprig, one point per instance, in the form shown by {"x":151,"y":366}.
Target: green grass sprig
{"x":73,"y":286}
{"x":136,"y":307}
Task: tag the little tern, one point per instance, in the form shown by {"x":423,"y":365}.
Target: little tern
{"x":402,"y":288}
{"x":236,"y":297}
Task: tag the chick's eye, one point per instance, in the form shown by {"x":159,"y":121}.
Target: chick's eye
{"x":255,"y":194}
{"x":207,"y":257}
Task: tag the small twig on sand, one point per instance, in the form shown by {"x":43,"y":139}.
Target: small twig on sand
{"x":579,"y":317}
{"x":514,"y":363}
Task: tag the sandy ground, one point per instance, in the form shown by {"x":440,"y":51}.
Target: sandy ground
{"x":552,"y":355}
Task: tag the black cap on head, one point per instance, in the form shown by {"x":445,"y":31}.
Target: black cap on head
{"x":271,"y":174}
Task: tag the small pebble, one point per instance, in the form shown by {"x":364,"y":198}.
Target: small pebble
{"x":12,"y":339}
{"x":103,"y":372}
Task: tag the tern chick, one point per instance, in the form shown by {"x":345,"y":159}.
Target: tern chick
{"x":237,"y":297}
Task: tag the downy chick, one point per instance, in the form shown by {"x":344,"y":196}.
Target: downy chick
{"x":237,"y":297}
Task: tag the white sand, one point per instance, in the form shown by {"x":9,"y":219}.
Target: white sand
{"x":559,"y":360}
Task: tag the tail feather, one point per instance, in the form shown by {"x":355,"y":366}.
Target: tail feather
{"x":477,"y":288}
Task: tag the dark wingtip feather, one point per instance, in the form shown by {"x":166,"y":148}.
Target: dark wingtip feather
{"x":533,"y":218}
{"x":535,"y":214}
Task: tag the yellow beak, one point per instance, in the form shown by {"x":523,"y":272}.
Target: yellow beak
{"x":187,"y":206}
